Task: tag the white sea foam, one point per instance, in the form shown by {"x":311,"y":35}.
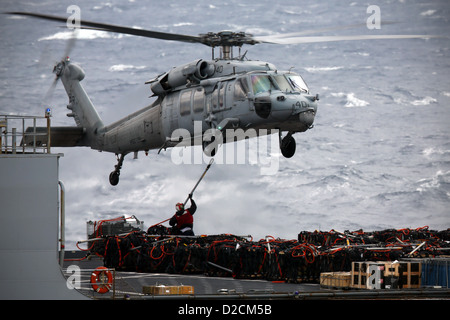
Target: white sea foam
{"x":124,"y":67}
{"x":323,"y":69}
{"x":434,"y":182}
{"x":351,"y":100}
{"x":424,"y":102}
{"x":182,"y":24}
{"x":428,"y":152}
{"x":428,"y":13}
{"x":81,"y":34}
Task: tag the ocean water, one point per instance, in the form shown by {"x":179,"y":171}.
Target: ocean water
{"x":378,"y":156}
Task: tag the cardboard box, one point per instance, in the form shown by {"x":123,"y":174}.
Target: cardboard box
{"x":167,"y":290}
{"x":340,"y":280}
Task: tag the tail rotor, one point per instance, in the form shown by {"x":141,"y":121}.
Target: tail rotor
{"x":59,"y":68}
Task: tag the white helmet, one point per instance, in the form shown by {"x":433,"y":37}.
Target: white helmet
{"x":179,"y":206}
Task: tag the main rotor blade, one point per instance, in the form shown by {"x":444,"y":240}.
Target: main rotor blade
{"x":117,"y":29}
{"x":216,"y":39}
{"x":299,"y":40}
{"x":275,"y":37}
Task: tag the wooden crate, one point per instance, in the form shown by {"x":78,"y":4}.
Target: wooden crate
{"x":167,"y":290}
{"x":340,"y":280}
{"x":409,"y":274}
{"x":360,"y":274}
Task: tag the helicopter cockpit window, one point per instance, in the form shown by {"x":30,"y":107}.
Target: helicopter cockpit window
{"x":218,"y":97}
{"x":199,"y":100}
{"x":240,"y":89}
{"x":283,"y":83}
{"x":263,"y":83}
{"x":221,"y":94}
{"x":215,"y":98}
{"x":185,"y":103}
{"x":297,"y":83}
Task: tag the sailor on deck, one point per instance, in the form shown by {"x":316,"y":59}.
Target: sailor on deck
{"x":183,"y":221}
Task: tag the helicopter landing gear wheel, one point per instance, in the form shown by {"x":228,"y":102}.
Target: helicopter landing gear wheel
{"x":114,"y":175}
{"x":114,"y":178}
{"x":288,"y":146}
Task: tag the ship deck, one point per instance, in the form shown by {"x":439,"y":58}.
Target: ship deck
{"x":129,"y":285}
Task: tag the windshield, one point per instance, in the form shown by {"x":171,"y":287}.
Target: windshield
{"x":263,"y":83}
{"x":297,"y":83}
{"x":283,"y":83}
{"x":286,"y":83}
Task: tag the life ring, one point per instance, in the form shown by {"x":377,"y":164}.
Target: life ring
{"x":101,"y":280}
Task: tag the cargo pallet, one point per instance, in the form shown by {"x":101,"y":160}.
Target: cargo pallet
{"x":386,"y":275}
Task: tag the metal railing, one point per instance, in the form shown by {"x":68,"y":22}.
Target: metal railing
{"x":24,"y":134}
{"x":98,"y":283}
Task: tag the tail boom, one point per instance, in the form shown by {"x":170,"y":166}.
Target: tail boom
{"x":81,"y":107}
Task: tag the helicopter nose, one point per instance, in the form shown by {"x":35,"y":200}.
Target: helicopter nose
{"x":307,"y":117}
{"x":281,"y":107}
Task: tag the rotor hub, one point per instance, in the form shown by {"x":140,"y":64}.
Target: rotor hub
{"x":227,"y":38}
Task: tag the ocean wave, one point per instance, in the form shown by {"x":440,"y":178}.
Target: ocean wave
{"x":394,"y":195}
{"x":103,"y":5}
{"x":124,"y":67}
{"x":183,"y":24}
{"x":350,"y":100}
{"x":428,"y":152}
{"x":322,"y":69}
{"x":424,"y":102}
{"x":428,"y":13}
{"x":409,"y":98}
{"x":441,"y":180}
{"x":403,"y":91}
{"x":80,"y":34}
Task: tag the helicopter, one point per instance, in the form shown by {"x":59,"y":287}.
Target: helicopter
{"x":216,"y":95}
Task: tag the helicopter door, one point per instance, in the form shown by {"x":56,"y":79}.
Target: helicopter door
{"x":240,"y":95}
{"x":170,"y":114}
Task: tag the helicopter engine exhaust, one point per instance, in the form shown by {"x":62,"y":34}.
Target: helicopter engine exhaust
{"x":192,"y":72}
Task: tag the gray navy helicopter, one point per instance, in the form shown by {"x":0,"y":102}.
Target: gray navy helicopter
{"x":226,"y":92}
